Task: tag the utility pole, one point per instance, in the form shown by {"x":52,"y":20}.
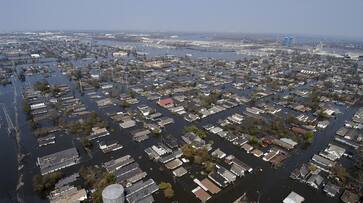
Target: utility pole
{"x":126,"y":78}
{"x":80,"y":85}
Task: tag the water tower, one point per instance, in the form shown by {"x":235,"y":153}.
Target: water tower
{"x":113,"y":194}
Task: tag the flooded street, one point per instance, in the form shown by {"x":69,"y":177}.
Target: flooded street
{"x":19,"y":147}
{"x":272,"y":184}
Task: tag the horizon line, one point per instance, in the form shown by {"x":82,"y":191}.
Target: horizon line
{"x":336,"y":37}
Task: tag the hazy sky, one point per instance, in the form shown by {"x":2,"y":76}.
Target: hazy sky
{"x":321,"y":17}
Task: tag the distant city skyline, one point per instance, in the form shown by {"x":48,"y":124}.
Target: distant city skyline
{"x":309,"y":17}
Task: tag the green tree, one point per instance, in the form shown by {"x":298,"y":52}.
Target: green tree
{"x":26,"y":107}
{"x":340,"y":172}
{"x":194,"y":129}
{"x":167,"y":189}
{"x":98,"y":179}
{"x":164,"y":185}
{"x":309,"y":137}
{"x":44,"y":184}
{"x":169,"y":193}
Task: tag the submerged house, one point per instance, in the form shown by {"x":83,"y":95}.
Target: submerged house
{"x":293,"y":197}
{"x":166,"y":103}
{"x":58,"y":160}
{"x":315,"y":181}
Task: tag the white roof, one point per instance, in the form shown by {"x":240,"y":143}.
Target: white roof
{"x":293,"y":197}
{"x":289,"y":141}
{"x":35,"y":55}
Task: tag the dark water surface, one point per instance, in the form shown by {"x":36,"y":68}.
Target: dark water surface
{"x":273,"y":185}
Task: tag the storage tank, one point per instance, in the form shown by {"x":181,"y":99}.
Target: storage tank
{"x":113,"y":194}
